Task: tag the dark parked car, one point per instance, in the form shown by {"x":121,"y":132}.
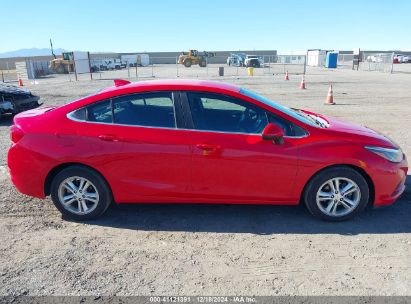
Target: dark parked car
{"x":14,"y":100}
{"x":252,"y":61}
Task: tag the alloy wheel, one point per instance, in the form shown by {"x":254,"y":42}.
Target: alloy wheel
{"x":338,"y":197}
{"x":78,"y":195}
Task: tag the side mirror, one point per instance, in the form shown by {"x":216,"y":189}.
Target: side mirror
{"x":274,"y":133}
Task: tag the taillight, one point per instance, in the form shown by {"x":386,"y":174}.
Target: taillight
{"x":16,"y":133}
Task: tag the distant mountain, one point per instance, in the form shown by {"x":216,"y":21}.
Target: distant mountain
{"x":30,"y":52}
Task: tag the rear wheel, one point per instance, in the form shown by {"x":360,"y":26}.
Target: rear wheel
{"x":202,"y":63}
{"x":80,"y":193}
{"x":337,"y":194}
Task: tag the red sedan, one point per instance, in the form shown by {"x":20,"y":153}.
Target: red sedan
{"x":199,"y":141}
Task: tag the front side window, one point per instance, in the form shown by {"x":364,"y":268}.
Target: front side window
{"x":145,"y":109}
{"x":278,"y":107}
{"x":290,"y":129}
{"x":214,"y":112}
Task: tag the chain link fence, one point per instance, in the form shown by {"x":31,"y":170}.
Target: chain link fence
{"x":345,"y":61}
{"x":8,"y":72}
{"x":216,"y":66}
{"x":148,"y":67}
{"x":382,"y":62}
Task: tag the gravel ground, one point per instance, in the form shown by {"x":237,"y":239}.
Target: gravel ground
{"x":217,"y":250}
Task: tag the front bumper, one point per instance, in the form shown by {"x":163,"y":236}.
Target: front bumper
{"x":389,"y":182}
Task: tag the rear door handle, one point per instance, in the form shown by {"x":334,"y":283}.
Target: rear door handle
{"x":108,"y":137}
{"x":207,"y":147}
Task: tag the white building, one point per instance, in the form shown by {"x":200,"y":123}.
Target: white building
{"x":316,"y":57}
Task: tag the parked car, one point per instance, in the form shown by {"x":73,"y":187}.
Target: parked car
{"x":401,"y":58}
{"x":252,"y":61}
{"x":405,"y":59}
{"x":376,"y":59}
{"x":183,"y":141}
{"x":236,"y":59}
{"x":14,"y":100}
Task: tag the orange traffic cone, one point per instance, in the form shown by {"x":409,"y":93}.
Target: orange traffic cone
{"x":286,"y":76}
{"x":302,"y":84}
{"x":20,"y":82}
{"x":330,"y":97}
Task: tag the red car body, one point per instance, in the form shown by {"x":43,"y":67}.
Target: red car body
{"x":180,"y":165}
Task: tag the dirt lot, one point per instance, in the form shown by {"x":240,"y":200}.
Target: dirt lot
{"x":218,"y":250}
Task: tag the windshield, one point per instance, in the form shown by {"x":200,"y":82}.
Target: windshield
{"x":299,"y":115}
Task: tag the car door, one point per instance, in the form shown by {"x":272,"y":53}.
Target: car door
{"x":230,"y":159}
{"x":138,"y":146}
{"x":155,"y":162}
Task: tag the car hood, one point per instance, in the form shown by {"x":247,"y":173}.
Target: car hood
{"x":365,"y":134}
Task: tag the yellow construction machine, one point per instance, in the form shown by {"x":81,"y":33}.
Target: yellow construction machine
{"x":194,"y":57}
{"x":64,"y":64}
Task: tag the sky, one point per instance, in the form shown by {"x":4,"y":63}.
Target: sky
{"x":161,"y":25}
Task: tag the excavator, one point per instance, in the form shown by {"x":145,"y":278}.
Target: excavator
{"x":194,"y":57}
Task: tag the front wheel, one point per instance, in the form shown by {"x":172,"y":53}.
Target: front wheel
{"x":187,"y":63}
{"x":80,"y":193}
{"x":337,"y":194}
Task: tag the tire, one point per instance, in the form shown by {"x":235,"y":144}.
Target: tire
{"x":343,"y":207}
{"x":60,"y":69}
{"x":97,"y":201}
{"x":187,"y":63}
{"x":202,"y":64}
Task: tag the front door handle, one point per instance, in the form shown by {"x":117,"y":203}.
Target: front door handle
{"x":207,"y":147}
{"x":108,"y":137}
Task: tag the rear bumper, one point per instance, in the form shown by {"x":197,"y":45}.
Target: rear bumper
{"x":20,"y":105}
{"x":26,"y":172}
{"x":29,"y":104}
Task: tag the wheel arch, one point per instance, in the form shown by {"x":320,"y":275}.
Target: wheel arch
{"x":360,"y":170}
{"x":57,"y":169}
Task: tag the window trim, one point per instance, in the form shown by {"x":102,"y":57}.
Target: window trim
{"x":181,"y":98}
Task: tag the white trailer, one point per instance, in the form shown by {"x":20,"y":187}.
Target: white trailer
{"x":316,"y":57}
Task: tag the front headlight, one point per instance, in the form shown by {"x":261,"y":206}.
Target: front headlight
{"x":392,"y":155}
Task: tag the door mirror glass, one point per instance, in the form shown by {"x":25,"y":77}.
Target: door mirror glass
{"x":274,"y":133}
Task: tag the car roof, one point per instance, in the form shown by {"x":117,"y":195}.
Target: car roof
{"x":171,"y":84}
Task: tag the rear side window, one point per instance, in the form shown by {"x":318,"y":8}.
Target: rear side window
{"x":79,"y":114}
{"x":100,"y":112}
{"x":146,"y":109}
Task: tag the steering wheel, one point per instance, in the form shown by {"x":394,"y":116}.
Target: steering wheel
{"x":251,"y":121}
